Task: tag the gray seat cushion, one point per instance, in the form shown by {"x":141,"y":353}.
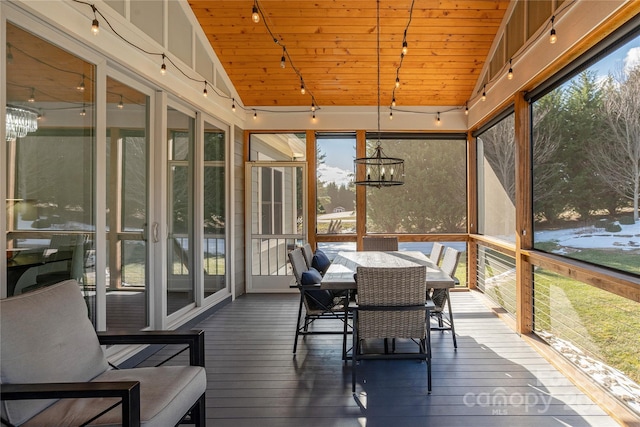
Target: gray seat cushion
{"x":46,"y":337}
{"x":166,"y":394}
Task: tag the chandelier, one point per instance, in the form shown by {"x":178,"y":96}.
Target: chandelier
{"x":20,"y":121}
{"x":378,"y":170}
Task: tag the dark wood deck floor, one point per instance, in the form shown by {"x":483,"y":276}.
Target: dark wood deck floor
{"x":493,"y":379}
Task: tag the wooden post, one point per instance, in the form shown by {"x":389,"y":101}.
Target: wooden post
{"x":524,"y":228}
{"x":472,"y":210}
{"x":361,"y":192}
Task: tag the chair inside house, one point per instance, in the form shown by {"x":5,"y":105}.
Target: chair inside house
{"x":379,"y":243}
{"x":55,"y":373}
{"x":63,"y":260}
{"x":441,"y":297}
{"x":319,"y":304}
{"x":436,"y":252}
{"x":391,"y":304}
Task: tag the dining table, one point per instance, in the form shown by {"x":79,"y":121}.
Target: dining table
{"x":341,"y":276}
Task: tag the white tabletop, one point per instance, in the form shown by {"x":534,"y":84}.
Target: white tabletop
{"x":339,"y":276}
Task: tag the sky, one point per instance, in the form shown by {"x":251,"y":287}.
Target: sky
{"x":338,"y":163}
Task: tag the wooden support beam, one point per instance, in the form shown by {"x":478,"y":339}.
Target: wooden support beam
{"x":524,"y":228}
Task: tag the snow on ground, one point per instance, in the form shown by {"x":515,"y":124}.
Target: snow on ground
{"x":593,"y":238}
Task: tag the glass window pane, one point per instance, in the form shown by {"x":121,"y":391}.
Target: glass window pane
{"x":180,"y":284}
{"x":433,"y":198}
{"x":335,"y":191}
{"x":497,"y":180}
{"x":50,"y":150}
{"x":214,"y":229}
{"x":586,"y":171}
{"x":127,"y":139}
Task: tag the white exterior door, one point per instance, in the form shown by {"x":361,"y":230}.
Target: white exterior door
{"x":276,"y":222}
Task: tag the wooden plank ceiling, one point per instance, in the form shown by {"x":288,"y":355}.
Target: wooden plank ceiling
{"x":333,"y":45}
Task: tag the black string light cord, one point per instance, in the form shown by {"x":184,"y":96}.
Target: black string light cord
{"x":509,"y":64}
{"x":285,"y":54}
{"x":168,"y":59}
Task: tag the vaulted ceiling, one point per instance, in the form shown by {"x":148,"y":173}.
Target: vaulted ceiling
{"x":333,"y":46}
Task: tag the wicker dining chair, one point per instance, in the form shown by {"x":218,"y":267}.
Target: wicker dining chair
{"x":318,"y":303}
{"x":441,"y":297}
{"x":436,"y":252}
{"x":391,"y":304}
{"x":379,"y":243}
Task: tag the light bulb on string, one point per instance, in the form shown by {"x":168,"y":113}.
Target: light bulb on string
{"x":163,"y":67}
{"x":510,"y":73}
{"x":405,"y":47}
{"x":255,"y":16}
{"x":84,"y":111}
{"x":393,"y":102}
{"x":313,"y":106}
{"x":32,"y":97}
{"x":313,"y":116}
{"x":466,"y":109}
{"x":255,"y":115}
{"x":302,"y":89}
{"x":233,"y":105}
{"x":81,"y":87}
{"x":484,"y":93}
{"x":205,"y":93}
{"x":120,"y":104}
{"x":390,"y":114}
{"x":438,"y":121}
{"x":553,"y":38}
{"x":95,"y":25}
{"x":397,"y":81}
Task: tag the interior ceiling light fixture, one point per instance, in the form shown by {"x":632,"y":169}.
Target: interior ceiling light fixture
{"x":20,"y":122}
{"x":378,"y":170}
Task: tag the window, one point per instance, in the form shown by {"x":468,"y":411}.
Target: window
{"x":50,"y":181}
{"x":586,"y":172}
{"x":433,"y":198}
{"x":214,"y":227}
{"x":335,"y":191}
{"x":496,"y":179}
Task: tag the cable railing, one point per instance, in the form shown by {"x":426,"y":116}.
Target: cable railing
{"x":497,"y":277}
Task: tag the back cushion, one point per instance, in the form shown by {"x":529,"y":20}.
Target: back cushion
{"x":46,"y":337}
{"x":320,"y":262}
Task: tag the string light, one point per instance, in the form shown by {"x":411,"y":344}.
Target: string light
{"x":302,"y":89}
{"x":397,"y":81}
{"x":553,"y":38}
{"x":163,"y":67}
{"x":95,"y":25}
{"x":390,"y":114}
{"x":405,"y":48}
{"x":120,"y":104}
{"x":438,"y":122}
{"x":255,"y":114}
{"x":233,"y":105}
{"x":466,"y":108}
{"x":393,"y":102}
{"x":484,"y":93}
{"x":313,"y":116}
{"x":510,"y":73}
{"x":205,"y":93}
{"x":9,"y":54}
{"x":165,"y":58}
{"x":81,"y":87}
{"x":255,"y":16}
{"x":83,"y":112}
{"x":32,"y":97}
{"x":313,"y":106}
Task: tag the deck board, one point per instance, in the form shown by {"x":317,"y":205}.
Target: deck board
{"x":493,"y":379}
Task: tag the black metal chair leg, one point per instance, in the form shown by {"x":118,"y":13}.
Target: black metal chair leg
{"x":295,"y":341}
{"x":453,"y":330}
